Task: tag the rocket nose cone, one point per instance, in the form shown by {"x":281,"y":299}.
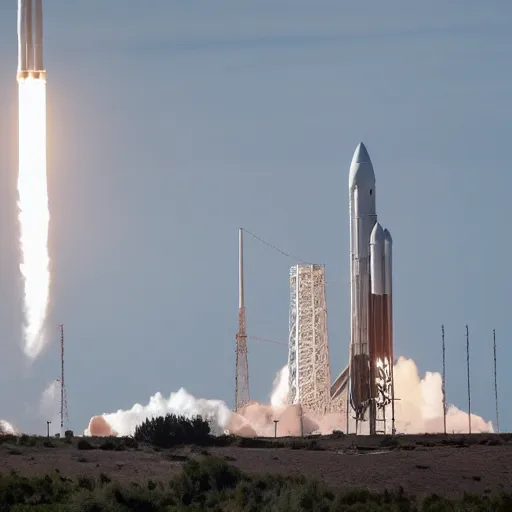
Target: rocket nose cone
{"x":361,"y":155}
{"x":387,"y":236}
{"x":377,"y":236}
{"x":361,"y":168}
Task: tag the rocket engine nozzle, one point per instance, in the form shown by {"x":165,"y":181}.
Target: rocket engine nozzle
{"x":30,"y":39}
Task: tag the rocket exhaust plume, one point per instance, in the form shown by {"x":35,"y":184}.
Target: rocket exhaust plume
{"x":34,"y":215}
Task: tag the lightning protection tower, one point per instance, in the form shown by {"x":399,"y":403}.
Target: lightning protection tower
{"x":63,"y":397}
{"x":242,"y":367}
{"x":308,"y":351}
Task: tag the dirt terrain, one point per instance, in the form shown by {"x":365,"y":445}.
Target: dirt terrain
{"x":448,"y":465}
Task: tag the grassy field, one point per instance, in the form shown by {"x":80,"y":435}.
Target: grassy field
{"x":228,"y":473}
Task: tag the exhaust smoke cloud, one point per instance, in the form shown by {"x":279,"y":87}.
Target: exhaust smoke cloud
{"x":419,"y":411}
{"x":7,"y":428}
{"x":49,"y":405}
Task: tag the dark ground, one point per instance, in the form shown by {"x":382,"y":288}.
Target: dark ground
{"x":447,"y":466}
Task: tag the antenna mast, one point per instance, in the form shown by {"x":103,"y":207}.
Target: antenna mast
{"x":496,"y":382}
{"x":444,"y":382}
{"x":242,"y":369}
{"x":469,"y":381}
{"x":63,"y":398}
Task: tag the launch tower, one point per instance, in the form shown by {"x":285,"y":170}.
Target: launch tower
{"x":242,"y":367}
{"x":308,"y":355}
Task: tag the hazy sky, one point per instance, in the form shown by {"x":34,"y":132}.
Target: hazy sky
{"x":171,"y":124}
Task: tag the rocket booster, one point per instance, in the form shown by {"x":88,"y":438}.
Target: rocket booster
{"x":30,"y":39}
{"x":378,"y":320}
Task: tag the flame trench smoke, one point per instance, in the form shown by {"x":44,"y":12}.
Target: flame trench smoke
{"x":420,"y":411}
{"x":34,"y":215}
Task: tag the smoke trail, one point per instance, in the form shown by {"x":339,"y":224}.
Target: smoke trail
{"x":34,"y":216}
{"x":419,"y":411}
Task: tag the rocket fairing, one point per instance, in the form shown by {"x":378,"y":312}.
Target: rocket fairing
{"x":371,"y":347}
{"x":30,"y":39}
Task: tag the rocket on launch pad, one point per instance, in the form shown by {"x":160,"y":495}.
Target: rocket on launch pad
{"x":30,"y":39}
{"x":370,"y":378}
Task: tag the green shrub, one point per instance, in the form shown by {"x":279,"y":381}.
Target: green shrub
{"x":130,"y":442}
{"x":108,"y":445}
{"x":83,"y":444}
{"x":200,"y":477}
{"x":211,"y":483}
{"x":8,"y":438}
{"x":12,"y":449}
{"x":253,"y":442}
{"x":389,"y":442}
{"x":170,"y":430}
{"x":118,"y":444}
{"x":25,"y":440}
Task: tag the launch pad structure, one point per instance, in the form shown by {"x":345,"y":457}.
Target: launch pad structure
{"x":366,"y":386}
{"x":308,"y":353}
{"x":242,"y":367}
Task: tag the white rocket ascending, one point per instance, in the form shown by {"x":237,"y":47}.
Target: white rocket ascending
{"x":371,"y":347}
{"x":30,"y":39}
{"x":34,"y":213}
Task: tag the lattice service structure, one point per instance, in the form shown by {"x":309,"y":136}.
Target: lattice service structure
{"x":308,"y":350}
{"x":242,"y":367}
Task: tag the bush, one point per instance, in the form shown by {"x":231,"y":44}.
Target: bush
{"x":83,"y":444}
{"x":305,"y":444}
{"x":203,"y":476}
{"x":171,"y":430}
{"x":8,"y":438}
{"x":389,"y":442}
{"x":25,"y":440}
{"x":118,"y":444}
{"x":211,"y":483}
{"x":254,"y":442}
{"x":108,"y":445}
{"x":130,"y":442}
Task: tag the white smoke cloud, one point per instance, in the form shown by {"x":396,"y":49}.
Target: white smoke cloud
{"x":123,"y":423}
{"x":49,"y":405}
{"x":7,"y":428}
{"x":419,"y":410}
{"x":279,"y":395}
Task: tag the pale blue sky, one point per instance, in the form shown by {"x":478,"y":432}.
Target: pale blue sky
{"x":171,"y":126}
